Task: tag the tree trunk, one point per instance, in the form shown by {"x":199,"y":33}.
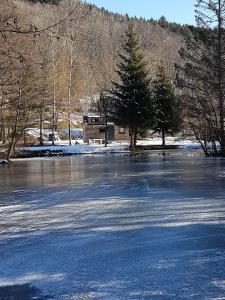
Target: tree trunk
{"x":203,"y":145}
{"x":15,"y":127}
{"x":3,"y":129}
{"x":220,"y":80}
{"x":10,"y":149}
{"x":54,"y":93}
{"x":13,"y":140}
{"x":132,"y":138}
{"x":24,"y":138}
{"x":2,"y":133}
{"x":106,"y":132}
{"x":41,"y":127}
{"x":135,"y":137}
{"x":214,"y":148}
{"x":70,"y":69}
{"x":69,"y":128}
{"x":163,"y":139}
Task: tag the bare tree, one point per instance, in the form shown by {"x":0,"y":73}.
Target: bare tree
{"x":202,"y":77}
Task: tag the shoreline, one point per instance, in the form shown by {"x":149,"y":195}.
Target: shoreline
{"x":143,"y":146}
{"x":51,"y":152}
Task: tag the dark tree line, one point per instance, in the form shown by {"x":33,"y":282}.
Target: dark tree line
{"x":136,"y":102}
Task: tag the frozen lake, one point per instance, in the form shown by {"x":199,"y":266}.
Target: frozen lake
{"x":113,"y":227}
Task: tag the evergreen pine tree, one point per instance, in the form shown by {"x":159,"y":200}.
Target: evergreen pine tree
{"x":132,"y":101}
{"x":166,"y":105}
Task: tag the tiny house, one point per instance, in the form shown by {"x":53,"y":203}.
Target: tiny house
{"x":94,"y":129}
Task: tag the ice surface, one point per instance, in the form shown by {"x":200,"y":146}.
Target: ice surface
{"x":113,"y":227}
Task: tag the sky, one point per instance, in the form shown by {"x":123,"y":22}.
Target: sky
{"x":179,"y":11}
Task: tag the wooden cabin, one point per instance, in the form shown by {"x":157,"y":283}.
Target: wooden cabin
{"x":94,"y":130}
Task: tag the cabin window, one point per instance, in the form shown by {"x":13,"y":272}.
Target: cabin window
{"x":94,"y":120}
{"x":121,"y":130}
{"x":101,"y":130}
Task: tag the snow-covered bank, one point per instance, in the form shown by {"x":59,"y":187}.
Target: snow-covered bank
{"x":64,"y":149}
{"x":81,"y":148}
{"x":170,"y":141}
{"x":76,"y":149}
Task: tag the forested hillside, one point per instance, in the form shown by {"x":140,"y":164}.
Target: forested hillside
{"x":96,"y":36}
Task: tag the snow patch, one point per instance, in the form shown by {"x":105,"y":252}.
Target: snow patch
{"x":32,"y":277}
{"x":170,"y":141}
{"x":219,"y":283}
